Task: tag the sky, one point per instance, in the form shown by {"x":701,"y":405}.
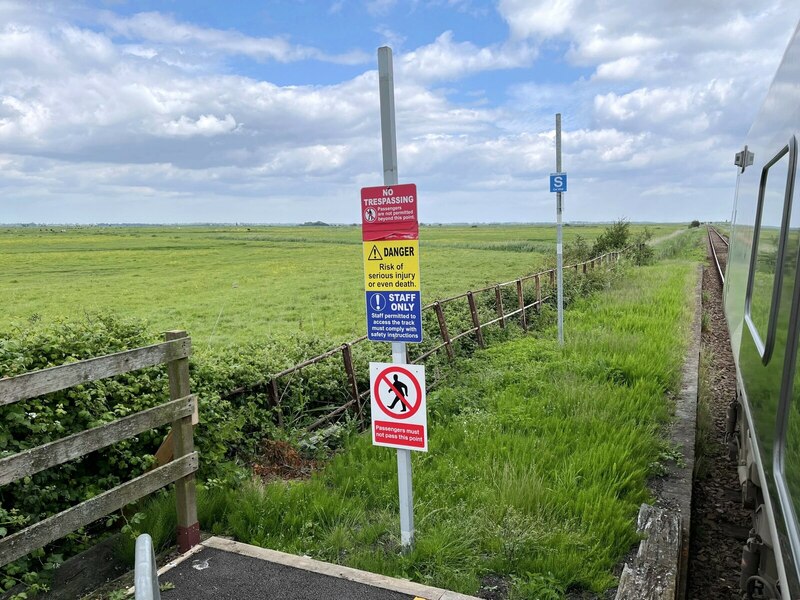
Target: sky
{"x":187,"y":111}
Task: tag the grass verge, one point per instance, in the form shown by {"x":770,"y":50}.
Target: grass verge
{"x":539,"y":459}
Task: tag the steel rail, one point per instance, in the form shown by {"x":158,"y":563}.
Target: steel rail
{"x":714,"y":254}
{"x":719,"y":235}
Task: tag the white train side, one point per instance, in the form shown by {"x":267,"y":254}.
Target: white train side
{"x":762,"y":306}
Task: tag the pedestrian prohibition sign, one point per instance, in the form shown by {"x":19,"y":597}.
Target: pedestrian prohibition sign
{"x":399,"y":416}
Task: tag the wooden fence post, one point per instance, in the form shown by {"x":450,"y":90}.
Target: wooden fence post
{"x":584,"y":268}
{"x":538,"y":294}
{"x":521,"y":299}
{"x":476,"y":323}
{"x":185,"y":491}
{"x":552,"y":277}
{"x":443,"y":330}
{"x":347,"y":357}
{"x":498,"y":300}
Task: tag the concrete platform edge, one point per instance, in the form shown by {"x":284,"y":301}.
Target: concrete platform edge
{"x":402,"y":586}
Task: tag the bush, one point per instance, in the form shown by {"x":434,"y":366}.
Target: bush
{"x":642,"y":252}
{"x":615,"y":237}
{"x":40,"y":420}
{"x":694,"y":224}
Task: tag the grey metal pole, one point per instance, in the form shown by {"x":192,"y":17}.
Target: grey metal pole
{"x":389,"y":140}
{"x":145,"y":570}
{"x":559,"y":239}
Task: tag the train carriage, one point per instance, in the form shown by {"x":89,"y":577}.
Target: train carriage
{"x":762,"y":306}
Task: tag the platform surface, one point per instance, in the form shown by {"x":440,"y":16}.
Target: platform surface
{"x":226,"y":570}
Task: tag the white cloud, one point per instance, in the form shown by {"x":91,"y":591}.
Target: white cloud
{"x":545,"y":18}
{"x":677,"y":110}
{"x":132,"y":110}
{"x":446,"y":59}
{"x":157,"y":28}
{"x":620,"y":69}
{"x":205,"y":125}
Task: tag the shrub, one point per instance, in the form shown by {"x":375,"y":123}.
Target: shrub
{"x":27,"y":424}
{"x":615,"y":237}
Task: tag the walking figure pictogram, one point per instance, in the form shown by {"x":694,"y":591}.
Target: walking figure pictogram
{"x":400,"y":394}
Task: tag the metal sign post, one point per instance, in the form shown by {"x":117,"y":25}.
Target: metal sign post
{"x":559,"y":239}
{"x":389,"y":140}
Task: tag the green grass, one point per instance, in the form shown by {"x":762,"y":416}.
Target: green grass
{"x":230,"y":285}
{"x":539,"y":458}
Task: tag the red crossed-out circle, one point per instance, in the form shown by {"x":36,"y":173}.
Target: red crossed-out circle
{"x":383,"y":377}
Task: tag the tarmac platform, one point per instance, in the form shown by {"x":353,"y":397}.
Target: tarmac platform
{"x":226,"y":570}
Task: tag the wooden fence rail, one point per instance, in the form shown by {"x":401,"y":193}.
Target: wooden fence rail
{"x":179,"y":411}
{"x":517,"y":287}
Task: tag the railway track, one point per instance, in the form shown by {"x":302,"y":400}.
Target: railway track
{"x":719,"y":251}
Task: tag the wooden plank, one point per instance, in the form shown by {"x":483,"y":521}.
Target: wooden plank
{"x":54,"y":379}
{"x":60,"y":451}
{"x":38,"y":535}
{"x":164,"y":453}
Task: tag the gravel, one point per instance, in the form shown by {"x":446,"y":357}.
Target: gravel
{"x":719,"y":523}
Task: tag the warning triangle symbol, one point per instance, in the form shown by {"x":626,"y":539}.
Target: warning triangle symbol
{"x":375,"y":254}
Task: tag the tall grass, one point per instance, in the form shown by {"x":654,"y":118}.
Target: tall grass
{"x":539,"y":458}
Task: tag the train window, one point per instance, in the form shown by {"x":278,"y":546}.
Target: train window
{"x":764,"y":282}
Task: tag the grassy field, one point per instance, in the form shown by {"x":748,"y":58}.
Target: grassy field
{"x":227,"y":285}
{"x":539,"y":459}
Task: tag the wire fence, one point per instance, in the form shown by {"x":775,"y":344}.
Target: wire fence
{"x":508,"y":300}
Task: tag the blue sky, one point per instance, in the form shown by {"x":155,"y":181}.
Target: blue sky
{"x":178,"y":111}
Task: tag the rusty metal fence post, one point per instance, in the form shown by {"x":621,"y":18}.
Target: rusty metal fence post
{"x":521,"y":301}
{"x":498,"y":300}
{"x":475,"y":321}
{"x":347,"y":357}
{"x":443,"y":330}
{"x":275,"y":399}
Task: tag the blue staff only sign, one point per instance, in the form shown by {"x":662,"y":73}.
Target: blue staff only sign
{"x":558,"y":182}
{"x":394,"y":317}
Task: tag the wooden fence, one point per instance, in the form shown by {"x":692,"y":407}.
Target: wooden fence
{"x":543,"y":282}
{"x":180,"y":411}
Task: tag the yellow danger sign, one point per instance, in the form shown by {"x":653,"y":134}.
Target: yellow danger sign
{"x":391,"y":265}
